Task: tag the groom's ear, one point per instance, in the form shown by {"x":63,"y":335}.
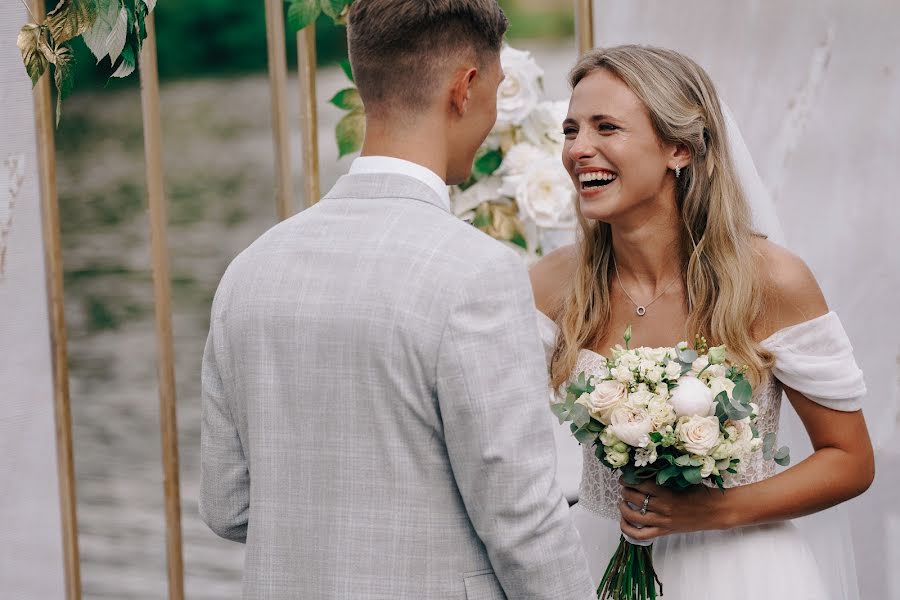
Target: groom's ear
{"x":461,"y":90}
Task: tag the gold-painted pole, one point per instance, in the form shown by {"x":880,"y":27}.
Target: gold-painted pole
{"x":162,"y":297}
{"x":584,"y":25}
{"x":278,"y":84}
{"x":309,"y":124}
{"x":46,"y":149}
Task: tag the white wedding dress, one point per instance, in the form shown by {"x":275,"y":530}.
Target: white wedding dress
{"x":771,"y":562}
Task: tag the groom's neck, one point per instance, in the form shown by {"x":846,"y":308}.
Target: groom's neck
{"x":422,"y":141}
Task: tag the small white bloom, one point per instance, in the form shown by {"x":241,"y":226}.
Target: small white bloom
{"x":520,"y":91}
{"x":661,"y":413}
{"x":654,"y":374}
{"x":622,"y":374}
{"x":631,"y":425}
{"x":607,"y":396}
{"x":724,"y":451}
{"x":699,"y":434}
{"x":645,"y":456}
{"x":641,"y":398}
{"x":691,"y":397}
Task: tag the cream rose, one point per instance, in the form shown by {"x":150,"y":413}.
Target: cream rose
{"x":691,"y":397}
{"x":699,"y":434}
{"x":616,"y":459}
{"x":520,"y":91}
{"x":606,"y":397}
{"x":632,"y":426}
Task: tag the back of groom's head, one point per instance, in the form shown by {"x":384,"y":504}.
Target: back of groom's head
{"x":400,"y":48}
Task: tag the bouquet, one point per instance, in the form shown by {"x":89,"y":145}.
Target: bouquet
{"x":678,"y":416}
{"x":519,"y":191}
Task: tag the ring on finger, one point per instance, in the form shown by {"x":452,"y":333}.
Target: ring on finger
{"x":645,"y":505}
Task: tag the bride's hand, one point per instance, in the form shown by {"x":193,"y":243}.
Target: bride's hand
{"x":669,"y":511}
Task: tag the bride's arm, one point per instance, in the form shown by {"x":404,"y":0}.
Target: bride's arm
{"x":841,"y":467}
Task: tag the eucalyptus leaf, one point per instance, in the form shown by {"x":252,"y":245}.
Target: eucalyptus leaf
{"x":580,"y":415}
{"x":585,"y":437}
{"x":769,"y":444}
{"x":742,"y":392}
{"x":350,"y":132}
{"x":561,"y":411}
{"x":301,"y":13}
{"x":687,"y":356}
{"x":30,"y":42}
{"x":783,"y":456}
{"x":666,"y":474}
{"x":348,"y":99}
{"x":683,"y":461}
{"x":692,"y":475}
{"x":629,"y":475}
{"x":71,"y":18}
{"x":655,"y":437}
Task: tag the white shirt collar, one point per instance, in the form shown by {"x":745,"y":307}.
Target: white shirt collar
{"x":389,"y":164}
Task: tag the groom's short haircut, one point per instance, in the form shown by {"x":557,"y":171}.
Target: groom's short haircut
{"x":399,"y":48}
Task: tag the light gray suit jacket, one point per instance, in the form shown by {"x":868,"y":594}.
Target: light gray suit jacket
{"x":375,"y":418}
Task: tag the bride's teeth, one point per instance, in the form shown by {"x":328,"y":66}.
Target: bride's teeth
{"x":586,"y":177}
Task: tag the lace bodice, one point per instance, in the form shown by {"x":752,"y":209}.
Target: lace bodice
{"x":599,"y":489}
{"x":814,"y":358}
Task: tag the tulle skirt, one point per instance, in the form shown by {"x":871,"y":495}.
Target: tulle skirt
{"x":770,"y":562}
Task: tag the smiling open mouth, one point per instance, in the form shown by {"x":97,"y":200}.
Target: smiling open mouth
{"x":596,"y":180}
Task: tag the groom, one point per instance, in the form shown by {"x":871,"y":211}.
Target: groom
{"x":375,"y":419}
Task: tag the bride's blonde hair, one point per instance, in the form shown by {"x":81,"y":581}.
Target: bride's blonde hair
{"x":719,"y":263}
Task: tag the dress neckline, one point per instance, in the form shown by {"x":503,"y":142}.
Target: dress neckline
{"x":811,"y":323}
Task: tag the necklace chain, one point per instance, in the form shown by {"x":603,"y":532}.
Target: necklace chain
{"x":640,"y":309}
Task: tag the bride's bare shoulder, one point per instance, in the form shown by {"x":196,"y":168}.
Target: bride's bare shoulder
{"x":550,"y":278}
{"x":791,"y":293}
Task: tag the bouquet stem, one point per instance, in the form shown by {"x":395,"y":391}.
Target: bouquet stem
{"x":630,"y":574}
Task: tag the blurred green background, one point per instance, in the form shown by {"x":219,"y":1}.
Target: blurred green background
{"x":220,"y":38}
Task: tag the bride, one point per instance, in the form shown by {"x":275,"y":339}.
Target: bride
{"x":666,"y":245}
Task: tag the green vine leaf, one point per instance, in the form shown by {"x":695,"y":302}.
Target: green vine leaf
{"x":348,"y":70}
{"x":150,"y":4}
{"x":336,"y":9}
{"x":71,"y":18}
{"x":350,"y":132}
{"x":127,"y":64}
{"x":301,"y":13}
{"x":33,"y":45}
{"x":63,"y":75}
{"x":107,"y":36}
{"x":348,"y":99}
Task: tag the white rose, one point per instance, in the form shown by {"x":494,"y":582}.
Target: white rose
{"x":719,"y":384}
{"x":520,"y":91}
{"x":657,"y":355}
{"x":544,"y":193}
{"x":622,"y":373}
{"x":699,"y":434}
{"x":640,"y":398}
{"x":543,"y":127}
{"x":629,"y":359}
{"x":716,"y":371}
{"x":743,"y":430}
{"x":691,"y":397}
{"x":606,"y":397}
{"x":518,"y":160}
{"x":654,"y":374}
{"x":699,"y":365}
{"x":708,"y":467}
{"x":616,"y":459}
{"x":673,"y":370}
{"x":632,"y":426}
{"x":661,"y":413}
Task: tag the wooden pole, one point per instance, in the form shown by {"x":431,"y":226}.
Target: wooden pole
{"x":278,"y":82}
{"x":46,"y":149}
{"x":309,"y":123}
{"x":584,"y":25}
{"x":162,"y":296}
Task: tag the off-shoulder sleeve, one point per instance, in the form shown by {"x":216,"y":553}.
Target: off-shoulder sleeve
{"x":548,"y":331}
{"x":815,"y":358}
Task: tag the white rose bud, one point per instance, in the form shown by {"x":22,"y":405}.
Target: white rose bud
{"x":608,"y":439}
{"x":631,"y":426}
{"x":708,"y":467}
{"x":699,"y":434}
{"x":617,"y":459}
{"x":607,"y":396}
{"x":716,"y":355}
{"x":691,"y":397}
